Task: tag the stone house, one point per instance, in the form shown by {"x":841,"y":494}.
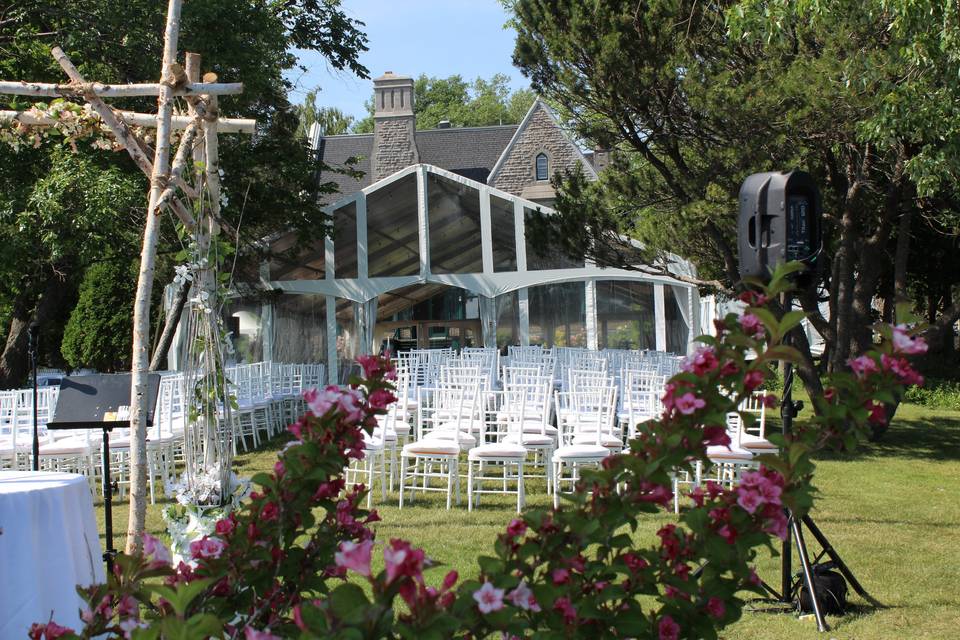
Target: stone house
{"x":517,"y":158}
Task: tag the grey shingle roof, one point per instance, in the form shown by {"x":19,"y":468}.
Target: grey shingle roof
{"x":468,"y":151}
{"x":335,"y":151}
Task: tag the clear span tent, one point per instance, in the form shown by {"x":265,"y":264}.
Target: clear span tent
{"x":427,"y":258}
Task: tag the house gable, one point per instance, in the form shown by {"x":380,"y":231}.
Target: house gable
{"x":538,"y":133}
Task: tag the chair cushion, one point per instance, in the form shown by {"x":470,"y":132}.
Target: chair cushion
{"x":68,"y":447}
{"x":731,"y":454}
{"x":529,"y":439}
{"x":606,"y":440}
{"x":756,"y":443}
{"x":550,"y":430}
{"x":464,"y":438}
{"x":498,"y":450}
{"x":429,"y":446}
{"x":578,"y":451}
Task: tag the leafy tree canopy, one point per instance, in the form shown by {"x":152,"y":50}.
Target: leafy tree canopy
{"x":269,"y":179}
{"x":693,"y":97}
{"x":331,"y":120}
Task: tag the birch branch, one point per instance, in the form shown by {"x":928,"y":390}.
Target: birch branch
{"x":146,"y":120}
{"x":123,"y":134}
{"x":179,"y":161}
{"x":141,"y":308}
{"x":78,"y":89}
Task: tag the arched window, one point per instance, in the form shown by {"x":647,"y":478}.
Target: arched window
{"x":542,"y":173}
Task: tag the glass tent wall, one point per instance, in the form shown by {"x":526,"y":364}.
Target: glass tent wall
{"x":426,"y":257}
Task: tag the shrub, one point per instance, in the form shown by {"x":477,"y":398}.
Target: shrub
{"x":937,"y":393}
{"x":278,"y":566}
{"x":99,"y":331}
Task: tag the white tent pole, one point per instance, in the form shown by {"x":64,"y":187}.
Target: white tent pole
{"x":660,"y":317}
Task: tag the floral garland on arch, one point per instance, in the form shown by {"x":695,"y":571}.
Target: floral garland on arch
{"x":288,"y":562}
{"x":71,"y":123}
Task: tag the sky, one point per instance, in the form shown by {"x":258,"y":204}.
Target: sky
{"x":410,"y":37}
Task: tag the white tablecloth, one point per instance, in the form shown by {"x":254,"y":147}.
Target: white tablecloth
{"x":49,"y":544}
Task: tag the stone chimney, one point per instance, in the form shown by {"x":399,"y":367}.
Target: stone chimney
{"x":394,"y":126}
{"x":601,"y":159}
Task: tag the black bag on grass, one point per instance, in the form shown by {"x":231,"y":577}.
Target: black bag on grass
{"x":831,"y":590}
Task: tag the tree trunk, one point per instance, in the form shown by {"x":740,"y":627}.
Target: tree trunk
{"x":14,"y":365}
{"x":13,"y":362}
{"x":900,"y":292}
{"x":141,"y":308}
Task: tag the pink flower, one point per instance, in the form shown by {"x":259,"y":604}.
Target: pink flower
{"x":697,"y":496}
{"x":728,"y":533}
{"x":770,"y":493}
{"x":206,"y":548}
{"x":488,"y":598}
{"x":703,"y":361}
{"x":249,"y":633}
{"x":128,"y":625}
{"x":729,"y":368}
{"x":863,"y":366}
{"x":878,"y":415}
{"x":153,"y":548}
{"x":270,"y":512}
{"x":566,"y":609}
{"x":449,"y":580}
{"x":516,"y":528}
{"x":297,"y":428}
{"x":777,"y":524}
{"x":753,"y":379}
{"x":688,"y":403}
{"x":904,"y":343}
{"x":716,"y":435}
{"x":634,"y":562}
{"x":753,"y":298}
{"x":128,"y":607}
{"x":225,"y":526}
{"x":522,"y":597}
{"x":381,"y":399}
{"x":715,"y":607}
{"x":901,"y":368}
{"x":319,"y":402}
{"x":560,"y":576}
{"x":751,"y":325}
{"x":50,"y":631}
{"x":354,"y":556}
{"x":749,"y":500}
{"x":351,"y":404}
{"x":770,"y":401}
{"x":668,"y":629}
{"x":403,"y":560}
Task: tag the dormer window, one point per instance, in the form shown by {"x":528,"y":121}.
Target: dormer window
{"x":541,"y":167}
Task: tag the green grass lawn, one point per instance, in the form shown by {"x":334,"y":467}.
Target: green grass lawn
{"x":892,"y":510}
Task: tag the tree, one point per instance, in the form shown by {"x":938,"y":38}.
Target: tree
{"x":693,"y":97}
{"x":332,"y":121}
{"x":269,"y":182}
{"x":478,"y":104}
{"x":97,"y":334}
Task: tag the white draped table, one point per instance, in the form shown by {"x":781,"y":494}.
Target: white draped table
{"x":48,"y":545}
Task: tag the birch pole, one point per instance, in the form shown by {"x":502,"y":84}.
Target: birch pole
{"x":141,"y":307}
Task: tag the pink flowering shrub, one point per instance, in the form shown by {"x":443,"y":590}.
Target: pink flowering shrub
{"x":289,"y":563}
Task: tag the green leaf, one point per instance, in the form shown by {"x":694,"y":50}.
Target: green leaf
{"x":349,"y":603}
{"x":790,"y":320}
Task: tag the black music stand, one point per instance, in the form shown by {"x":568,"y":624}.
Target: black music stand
{"x":94,"y":402}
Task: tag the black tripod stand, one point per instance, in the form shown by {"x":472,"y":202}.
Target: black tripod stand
{"x":789,"y":587}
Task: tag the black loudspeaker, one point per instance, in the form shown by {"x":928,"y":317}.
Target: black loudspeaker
{"x":779,"y":222}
